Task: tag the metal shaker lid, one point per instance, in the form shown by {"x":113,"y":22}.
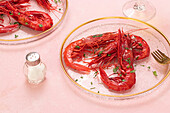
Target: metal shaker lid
{"x":32,"y":58}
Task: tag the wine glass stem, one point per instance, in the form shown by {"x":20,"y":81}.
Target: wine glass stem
{"x":139,"y":7}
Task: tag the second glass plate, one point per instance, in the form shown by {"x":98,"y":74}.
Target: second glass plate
{"x":25,"y":34}
{"x":145,"y":78}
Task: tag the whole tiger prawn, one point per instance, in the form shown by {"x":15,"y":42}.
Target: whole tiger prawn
{"x":76,"y":49}
{"x":36,"y":20}
{"x":127,"y":76}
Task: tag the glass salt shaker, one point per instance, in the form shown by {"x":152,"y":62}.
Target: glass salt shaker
{"x":34,"y":69}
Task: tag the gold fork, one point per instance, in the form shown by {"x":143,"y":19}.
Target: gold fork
{"x":161,"y":57}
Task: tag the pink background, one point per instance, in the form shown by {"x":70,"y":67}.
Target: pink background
{"x":57,"y":94}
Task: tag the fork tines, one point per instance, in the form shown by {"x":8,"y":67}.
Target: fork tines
{"x":159,"y":56}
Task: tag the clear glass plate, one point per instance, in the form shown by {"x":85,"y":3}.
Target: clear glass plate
{"x":25,"y":34}
{"x":145,"y":79}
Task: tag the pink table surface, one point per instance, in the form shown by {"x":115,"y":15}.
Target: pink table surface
{"x":57,"y":94}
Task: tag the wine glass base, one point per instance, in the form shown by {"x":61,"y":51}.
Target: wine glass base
{"x":139,"y":9}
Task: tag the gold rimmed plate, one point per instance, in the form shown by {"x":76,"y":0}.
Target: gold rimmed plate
{"x":146,"y":79}
{"x":25,"y":34}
